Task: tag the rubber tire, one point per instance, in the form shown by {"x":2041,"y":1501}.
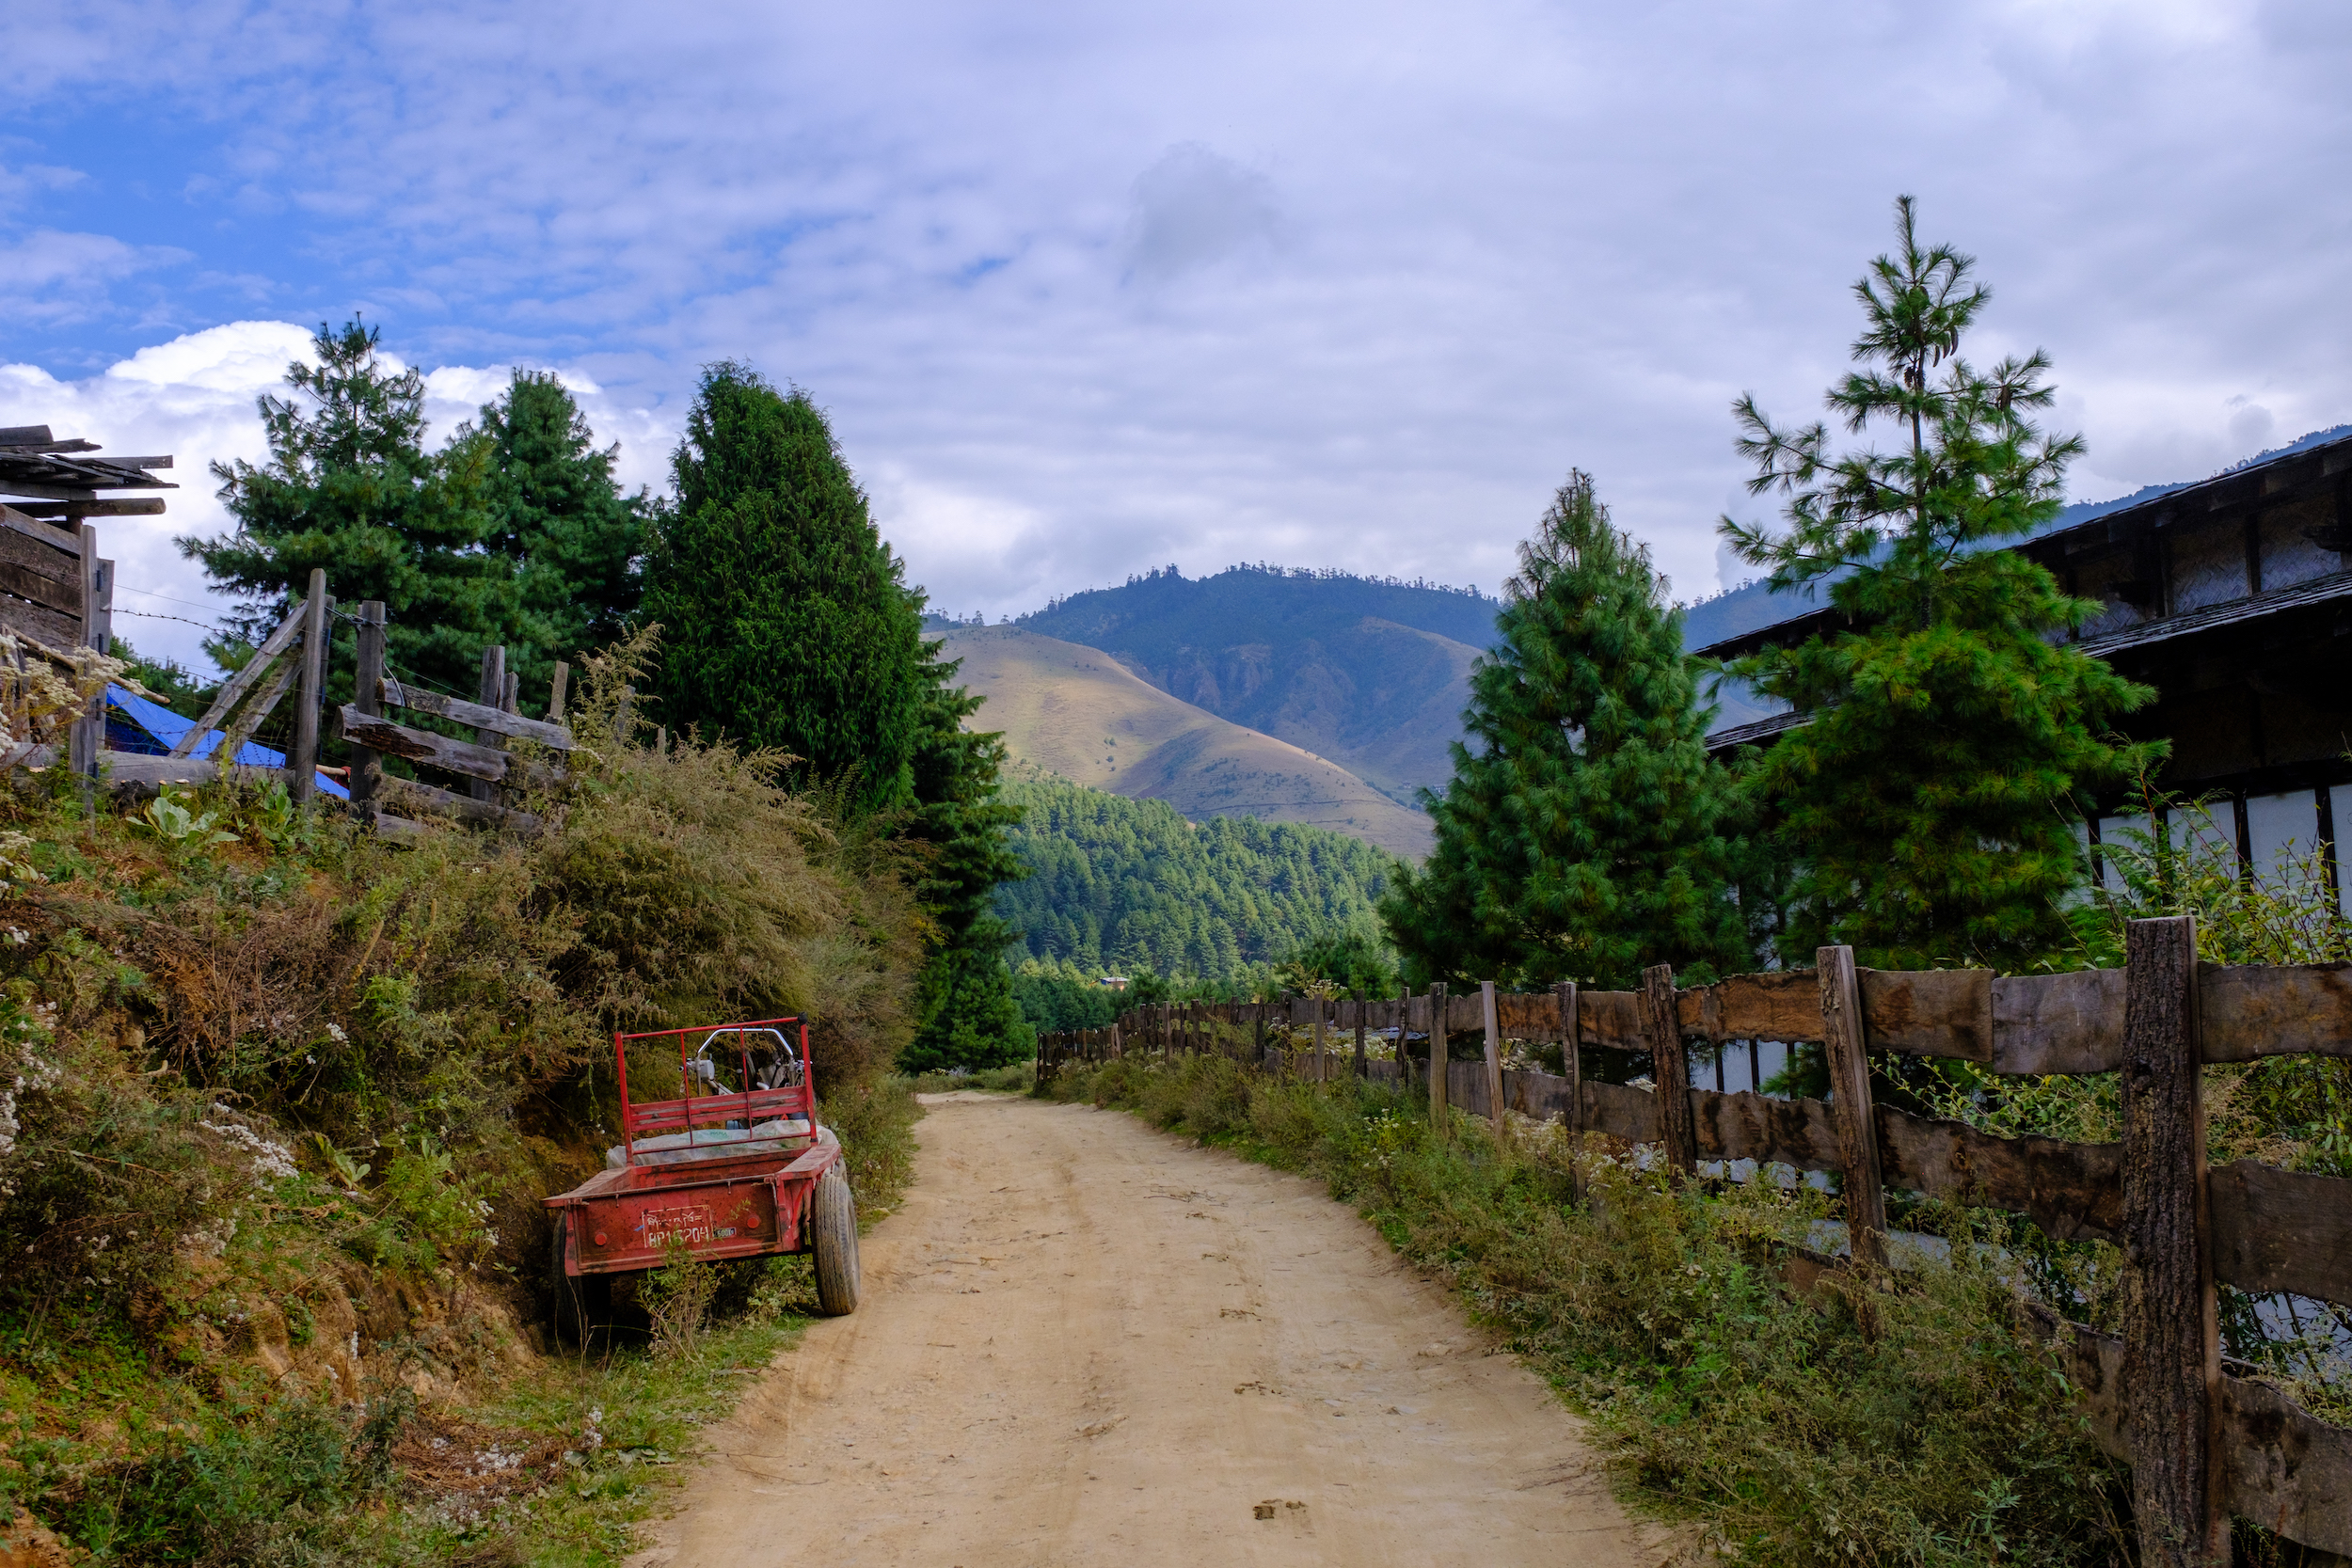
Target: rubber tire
{"x":833,"y":1236}
{"x":583,"y":1303}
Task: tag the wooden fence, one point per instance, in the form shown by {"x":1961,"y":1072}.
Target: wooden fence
{"x":492,"y":780}
{"x":2204,"y":1443}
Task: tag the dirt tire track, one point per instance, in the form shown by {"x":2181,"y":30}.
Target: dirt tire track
{"x":1083,"y":1341}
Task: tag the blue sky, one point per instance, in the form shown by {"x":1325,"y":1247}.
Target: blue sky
{"x":1093,"y":289}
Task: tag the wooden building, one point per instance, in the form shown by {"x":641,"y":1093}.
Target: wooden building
{"x":2232,"y":597}
{"x":54,"y":587}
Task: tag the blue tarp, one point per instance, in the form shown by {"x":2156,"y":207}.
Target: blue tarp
{"x":138,"y":725}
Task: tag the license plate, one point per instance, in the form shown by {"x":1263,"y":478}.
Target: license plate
{"x":664,"y":1226}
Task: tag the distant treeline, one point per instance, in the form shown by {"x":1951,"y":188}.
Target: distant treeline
{"x":1119,"y":884}
{"x":1242,"y":603}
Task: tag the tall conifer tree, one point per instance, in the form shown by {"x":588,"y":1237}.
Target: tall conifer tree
{"x":1928,"y":807}
{"x":350,"y":487}
{"x":1583,"y":835}
{"x":557,"y":513}
{"x":786,"y":619}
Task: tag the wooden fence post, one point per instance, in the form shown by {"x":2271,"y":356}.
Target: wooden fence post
{"x":367,"y":763}
{"x":2171,"y":1343}
{"x":1494,"y":1055}
{"x":1405,"y":1019}
{"x":302,"y":763}
{"x":1437,"y":1056}
{"x":1670,"y":1071}
{"x":1363,"y":1068}
{"x":556,"y":690}
{"x":1321,"y":1067}
{"x":492,"y":691}
{"x":1570,"y":1068}
{"x":1850,"y":1099}
{"x":1573,"y":1070}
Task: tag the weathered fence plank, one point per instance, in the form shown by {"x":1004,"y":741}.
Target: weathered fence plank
{"x":2274,"y":1011}
{"x":236,"y":686}
{"x":1669,"y":1069}
{"x":1850,"y":1087}
{"x":1438,"y":1073}
{"x":2171,"y":1345}
{"x":440,"y":750}
{"x":2282,"y":1230}
{"x":480,"y":715}
{"x":2058,"y":1024}
{"x":410,"y":795}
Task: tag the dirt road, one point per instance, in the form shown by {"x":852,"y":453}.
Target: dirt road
{"x":1084,"y":1341}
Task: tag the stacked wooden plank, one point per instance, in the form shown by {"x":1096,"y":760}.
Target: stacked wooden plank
{"x":2203,"y":1445}
{"x":493,"y":782}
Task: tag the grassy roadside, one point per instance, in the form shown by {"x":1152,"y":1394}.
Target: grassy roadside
{"x":1932,"y":1428}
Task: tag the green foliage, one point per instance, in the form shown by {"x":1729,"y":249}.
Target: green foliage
{"x":513,"y":533}
{"x":788,"y":624}
{"x":1354,"y":962}
{"x":1927,"y":807}
{"x":1054,"y":996}
{"x":790,"y":631}
{"x":970,"y":1018}
{"x":556,"y":511}
{"x":168,"y":818}
{"x":677,"y":1296}
{"x":1942,"y":1432}
{"x":1582,"y":836}
{"x":349,"y":487}
{"x":1129,"y":885}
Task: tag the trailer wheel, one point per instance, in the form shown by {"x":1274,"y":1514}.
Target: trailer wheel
{"x":833,"y":1232}
{"x":583,"y":1303}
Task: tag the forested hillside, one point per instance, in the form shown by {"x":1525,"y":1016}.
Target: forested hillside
{"x":1125,"y":884}
{"x":1371,"y":673}
{"x":1076,"y":713}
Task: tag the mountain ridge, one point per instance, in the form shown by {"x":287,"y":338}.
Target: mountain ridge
{"x":1075,"y":713}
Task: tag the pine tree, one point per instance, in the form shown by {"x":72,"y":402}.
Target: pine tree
{"x":969,"y":1013}
{"x":788,"y":623}
{"x":1927,"y":806}
{"x":1583,"y":835}
{"x":559,"y":517}
{"x":350,"y":487}
{"x":786,"y":619}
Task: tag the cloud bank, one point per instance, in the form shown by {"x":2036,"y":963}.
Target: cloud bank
{"x":1093,"y":289}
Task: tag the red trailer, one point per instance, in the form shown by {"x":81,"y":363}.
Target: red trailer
{"x":737,"y":1167}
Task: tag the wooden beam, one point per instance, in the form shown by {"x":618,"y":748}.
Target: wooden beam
{"x":2172,"y":1341}
{"x":303,"y":758}
{"x":1670,"y":1070}
{"x":440,"y":750}
{"x":458,"y":711}
{"x":367,"y":763}
{"x":412,"y":797}
{"x":492,"y":688}
{"x":241,"y":729}
{"x":1494,"y":1056}
{"x":1850,"y":1085}
{"x":48,"y":534}
{"x":1438,"y":1119}
{"x":236,"y":686}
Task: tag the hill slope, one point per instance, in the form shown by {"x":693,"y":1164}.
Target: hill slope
{"x":1071,"y":712}
{"x":1371,"y":675}
{"x":1129,"y":884}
